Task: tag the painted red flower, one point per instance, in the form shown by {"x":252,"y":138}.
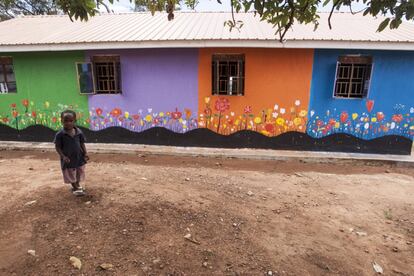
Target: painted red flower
{"x":116,"y":112}
{"x":25,"y":102}
{"x":248,"y":109}
{"x":370,"y":105}
{"x":98,"y":111}
{"x":397,"y":118}
{"x":380,"y":116}
{"x":13,"y":105}
{"x":319,"y":123}
{"x":88,"y":121}
{"x":15,"y":113}
{"x":344,"y":117}
{"x":5,"y":120}
{"x":332,"y":122}
{"x":207,"y":111}
{"x":54,"y":119}
{"x":156,"y":121}
{"x":135,"y":117}
{"x":34,"y":114}
{"x":176,"y":114}
{"x":222,"y":104}
{"x":269,"y":127}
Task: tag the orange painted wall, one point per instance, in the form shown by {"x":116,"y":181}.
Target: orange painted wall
{"x":272,"y":77}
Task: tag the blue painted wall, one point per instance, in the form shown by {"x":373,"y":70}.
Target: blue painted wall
{"x":388,"y":109}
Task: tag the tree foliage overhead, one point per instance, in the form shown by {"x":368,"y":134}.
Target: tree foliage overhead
{"x":282,"y":14}
{"x":12,"y":8}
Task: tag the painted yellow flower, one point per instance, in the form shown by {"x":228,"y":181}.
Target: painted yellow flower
{"x":126,"y":114}
{"x":102,"y":123}
{"x":207,"y":100}
{"x":111,"y":120}
{"x":373,"y":119}
{"x":141,"y":122}
{"x":47,"y":104}
{"x":303,"y":113}
{"x":354,"y":116}
{"x":337,"y":125}
{"x":297,"y":121}
{"x":162,"y":114}
{"x":412,"y":127}
{"x":257,"y":120}
{"x":264,"y":132}
{"x":181,"y":120}
{"x":237,"y":122}
{"x":280,"y":121}
{"x":148,"y":118}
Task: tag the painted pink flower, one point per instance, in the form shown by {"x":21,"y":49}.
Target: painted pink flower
{"x":176,"y":115}
{"x":222,"y":104}
{"x":248,"y":109}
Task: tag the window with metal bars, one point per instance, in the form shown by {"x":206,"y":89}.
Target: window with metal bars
{"x":107,"y":71}
{"x":7,"y":78}
{"x":228,"y":74}
{"x":353,"y":75}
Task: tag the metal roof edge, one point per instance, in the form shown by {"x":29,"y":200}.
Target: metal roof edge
{"x":298,"y":44}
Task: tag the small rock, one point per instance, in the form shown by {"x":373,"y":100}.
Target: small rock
{"x":409,"y":243}
{"x":146,"y":161}
{"x":205,"y":264}
{"x":270,"y":273}
{"x":31,"y":169}
{"x":361,"y":234}
{"x":395,"y":249}
{"x":366,"y":251}
{"x":79,"y":247}
{"x":234,"y":224}
{"x":88,"y":202}
{"x":156,"y":261}
{"x":250,"y":193}
{"x":144,"y":178}
{"x":218,"y":164}
{"x":31,"y":252}
{"x":187,"y":179}
{"x":299,"y":174}
{"x":341,"y":230}
{"x":388,"y":171}
{"x":377,"y":268}
{"x":30,"y":203}
{"x":106,"y":266}
{"x":75,"y":262}
{"x":187,"y":236}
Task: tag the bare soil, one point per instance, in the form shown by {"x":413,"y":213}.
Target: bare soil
{"x":245,"y":217}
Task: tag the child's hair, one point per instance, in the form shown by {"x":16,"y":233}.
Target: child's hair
{"x":68,"y":112}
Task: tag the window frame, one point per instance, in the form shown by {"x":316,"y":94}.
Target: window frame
{"x":93,"y":78}
{"x":3,"y":62}
{"x":344,"y":60}
{"x":116,"y":63}
{"x":240,"y":59}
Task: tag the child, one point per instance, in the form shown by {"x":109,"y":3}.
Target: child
{"x":70,"y":145}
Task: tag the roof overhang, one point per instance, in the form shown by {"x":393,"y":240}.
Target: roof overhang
{"x":298,"y":44}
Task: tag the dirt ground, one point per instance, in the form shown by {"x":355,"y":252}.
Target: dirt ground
{"x":245,"y":217}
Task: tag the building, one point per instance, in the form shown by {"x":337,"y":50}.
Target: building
{"x":142,"y":79}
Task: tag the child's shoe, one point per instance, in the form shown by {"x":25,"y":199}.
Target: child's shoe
{"x":79,"y":192}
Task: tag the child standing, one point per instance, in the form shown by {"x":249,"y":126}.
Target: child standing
{"x":70,"y":145}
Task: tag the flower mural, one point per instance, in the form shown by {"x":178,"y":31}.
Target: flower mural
{"x":365,"y":125}
{"x":28,"y":113}
{"x":175,"y":120}
{"x":268,"y":121}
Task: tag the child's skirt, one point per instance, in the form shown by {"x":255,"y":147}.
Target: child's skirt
{"x":73,"y":175}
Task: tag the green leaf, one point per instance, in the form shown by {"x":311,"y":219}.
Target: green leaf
{"x":383,"y":25}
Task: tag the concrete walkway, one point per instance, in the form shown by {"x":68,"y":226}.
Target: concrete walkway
{"x":261,"y":154}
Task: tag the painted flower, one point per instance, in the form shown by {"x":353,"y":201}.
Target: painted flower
{"x":373,"y":119}
{"x":116,"y":112}
{"x":282,"y":111}
{"x":275,"y":114}
{"x":257,"y":120}
{"x":370,"y":105}
{"x":5,"y":120}
{"x":13,"y":105}
{"x":187,"y":113}
{"x":99,"y":111}
{"x":25,"y":102}
{"x":54,"y":119}
{"x":280,"y":121}
{"x":15,"y":113}
{"x":222,"y":104}
{"x":207,"y":100}
{"x":276,"y":107}
{"x":337,"y":125}
{"x":354,"y":116}
{"x":412,"y":110}
{"x":135,"y":117}
{"x":319,"y":123}
{"x":380,"y":116}
{"x":343,"y":117}
{"x":126,"y":114}
{"x":148,"y":118}
{"x":248,"y":109}
{"x":297,"y":121}
{"x":397,"y":118}
{"x":332,"y":122}
{"x":47,"y":104}
{"x":176,"y":115}
{"x":303,"y":113}
{"x":34,"y":114}
{"x":297,"y":102}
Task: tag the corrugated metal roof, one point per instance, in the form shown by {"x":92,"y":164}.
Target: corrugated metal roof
{"x":195,"y":29}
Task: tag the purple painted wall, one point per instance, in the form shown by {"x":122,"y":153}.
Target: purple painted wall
{"x":159,"y":88}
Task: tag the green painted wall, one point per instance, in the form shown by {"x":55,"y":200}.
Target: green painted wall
{"x":46,"y":85}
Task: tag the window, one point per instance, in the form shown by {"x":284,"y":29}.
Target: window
{"x":85,"y":78}
{"x":107,"y":71}
{"x":353,"y":74}
{"x":228,"y":74}
{"x":7,"y":78}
